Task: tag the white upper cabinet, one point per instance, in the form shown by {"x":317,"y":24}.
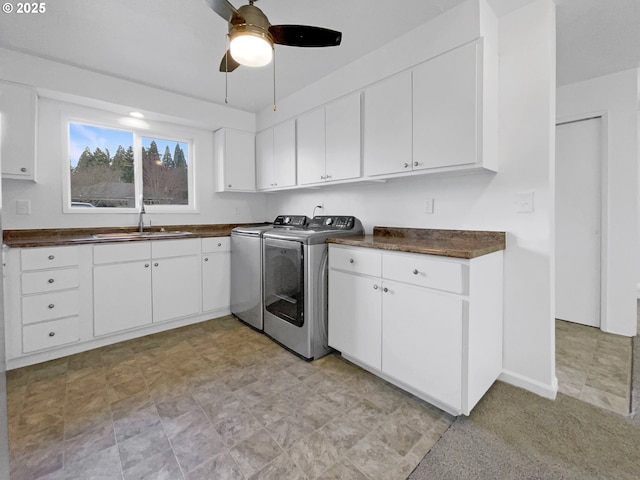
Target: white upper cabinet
{"x":445,"y":110}
{"x":311,"y":147}
{"x":329,"y":142}
{"x":18,"y":121}
{"x":276,"y":157}
{"x":387,"y":126}
{"x":284,"y":154}
{"x":343,"y":139}
{"x":235,"y":161}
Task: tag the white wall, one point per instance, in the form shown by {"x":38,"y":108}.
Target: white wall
{"x":615,"y":96}
{"x":72,"y":84}
{"x":485,"y":201}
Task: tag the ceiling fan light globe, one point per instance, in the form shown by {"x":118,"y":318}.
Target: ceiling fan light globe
{"x":251,"y":50}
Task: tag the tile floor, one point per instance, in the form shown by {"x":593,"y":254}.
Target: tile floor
{"x":215,"y":400}
{"x":594,"y":366}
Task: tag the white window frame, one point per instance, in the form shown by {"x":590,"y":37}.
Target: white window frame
{"x":139,"y":128}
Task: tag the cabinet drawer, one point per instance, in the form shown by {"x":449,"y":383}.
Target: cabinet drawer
{"x":424,"y":271}
{"x":36,"y":308}
{"x":121,"y":252}
{"x":175,"y":248}
{"x":216,"y":244}
{"x":357,"y":260}
{"x":48,"y":257}
{"x":48,"y":281}
{"x":50,"y":334}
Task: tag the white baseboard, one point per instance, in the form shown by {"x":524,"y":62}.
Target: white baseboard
{"x":539,"y":388}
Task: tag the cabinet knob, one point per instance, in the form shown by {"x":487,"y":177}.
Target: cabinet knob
{"x":385,"y":289}
{"x":23,"y":169}
{"x":51,"y":280}
{"x":229,"y":186}
{"x":415,"y":164}
{"x":155,"y":264}
{"x":375,"y":287}
{"x":51,"y":305}
{"x":52,"y":334}
{"x":146,"y":265}
{"x":351,"y":260}
{"x":219,"y":244}
{"x":322,"y":177}
{"x":415,"y":271}
{"x":51,"y":257}
{"x":406,"y":165}
{"x":206,"y":259}
{"x":328,"y":177}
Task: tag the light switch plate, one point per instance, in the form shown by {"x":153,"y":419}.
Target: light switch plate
{"x":23,"y":207}
{"x":525,"y":202}
{"x":428,"y":206}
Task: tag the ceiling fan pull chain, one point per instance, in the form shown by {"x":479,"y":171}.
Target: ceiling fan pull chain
{"x":274,"y":79}
{"x":226,"y":69}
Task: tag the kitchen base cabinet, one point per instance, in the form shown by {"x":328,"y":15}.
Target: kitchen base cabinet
{"x":216,"y":273}
{"x":355,"y":316}
{"x":429,"y":324}
{"x":122,"y":296}
{"x":176,"y":287}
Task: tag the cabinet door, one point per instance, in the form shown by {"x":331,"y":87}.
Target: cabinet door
{"x":18,"y":114}
{"x":422,"y":340}
{"x":121,"y":296}
{"x":216,"y":281}
{"x":311,"y":147}
{"x":284,"y":154}
{"x":239,"y":161}
{"x":264,"y":160}
{"x":343,"y":138}
{"x":387,"y":126}
{"x":445,"y":110}
{"x":176,"y":287}
{"x":355,"y":325}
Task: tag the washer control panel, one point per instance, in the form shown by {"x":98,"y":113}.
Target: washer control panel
{"x":331,"y":222}
{"x":297,"y":221}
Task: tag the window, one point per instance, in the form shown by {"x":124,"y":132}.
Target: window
{"x":110,"y":168}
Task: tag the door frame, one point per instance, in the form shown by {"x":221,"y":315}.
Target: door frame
{"x":603,"y":115}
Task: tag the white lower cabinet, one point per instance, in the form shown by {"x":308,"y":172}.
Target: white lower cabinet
{"x":135,"y":284}
{"x":121,"y":296}
{"x":216,"y":273}
{"x":432,"y":325}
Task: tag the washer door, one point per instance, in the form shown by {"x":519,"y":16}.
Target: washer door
{"x":284,"y":280}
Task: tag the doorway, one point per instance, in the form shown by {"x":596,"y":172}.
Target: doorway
{"x":578,"y":221}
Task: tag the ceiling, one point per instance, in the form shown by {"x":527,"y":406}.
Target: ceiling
{"x":176,"y":45}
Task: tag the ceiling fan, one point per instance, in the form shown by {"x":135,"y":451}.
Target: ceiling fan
{"x":252,"y":37}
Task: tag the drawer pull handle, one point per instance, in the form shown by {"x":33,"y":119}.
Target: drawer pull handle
{"x":52,"y":334}
{"x":146,"y":265}
{"x":155,"y":264}
{"x":415,"y":271}
{"x":385,"y":289}
{"x":375,"y":287}
{"x":23,"y":169}
{"x":206,"y":259}
{"x":51,"y":280}
{"x":351,"y":260}
{"x":51,"y":305}
{"x":219,"y":244}
{"x":51,"y":257}
{"x":406,"y":165}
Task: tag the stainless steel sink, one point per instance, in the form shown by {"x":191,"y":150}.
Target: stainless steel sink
{"x":156,"y":234}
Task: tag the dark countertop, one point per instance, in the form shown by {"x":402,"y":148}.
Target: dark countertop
{"x":448,"y":243}
{"x":76,"y":236}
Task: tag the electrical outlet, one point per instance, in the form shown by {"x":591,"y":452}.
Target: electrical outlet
{"x":428,"y":206}
{"x":23,"y":207}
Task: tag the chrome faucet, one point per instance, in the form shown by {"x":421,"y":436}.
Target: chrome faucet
{"x":140,"y":216}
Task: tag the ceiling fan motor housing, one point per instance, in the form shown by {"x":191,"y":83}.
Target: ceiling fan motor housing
{"x":255,"y":23}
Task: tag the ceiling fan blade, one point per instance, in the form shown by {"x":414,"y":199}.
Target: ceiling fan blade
{"x":228,"y":64}
{"x":225,"y":10}
{"x":304,"y":36}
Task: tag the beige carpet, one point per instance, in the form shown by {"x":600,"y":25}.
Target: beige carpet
{"x":514,"y":434}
